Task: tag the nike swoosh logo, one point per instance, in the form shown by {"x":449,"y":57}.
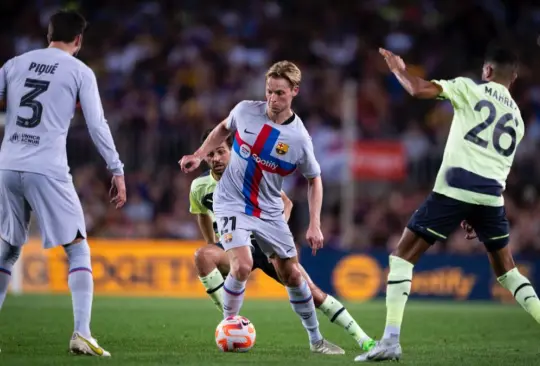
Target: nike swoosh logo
{"x":406,"y":294}
{"x":96,"y":350}
{"x":528,"y":297}
{"x":248,"y":132}
{"x":208,"y":201}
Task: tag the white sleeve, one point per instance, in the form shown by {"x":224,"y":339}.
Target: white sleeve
{"x":309,"y":166}
{"x":3,"y":80}
{"x":232,"y":118}
{"x":97,"y":124}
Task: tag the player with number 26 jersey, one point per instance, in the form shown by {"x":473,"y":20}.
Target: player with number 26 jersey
{"x":484,"y":135}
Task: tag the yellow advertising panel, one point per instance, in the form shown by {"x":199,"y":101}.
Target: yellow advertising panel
{"x":132,"y":267}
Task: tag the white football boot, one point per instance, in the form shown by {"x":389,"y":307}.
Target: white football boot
{"x":326,"y":348}
{"x":384,"y":350}
{"x":86,"y":346}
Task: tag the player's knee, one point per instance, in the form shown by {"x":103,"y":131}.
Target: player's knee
{"x":412,"y":245}
{"x":78,"y":255}
{"x":204,"y":259}
{"x":241,"y":270}
{"x":501,"y":260}
{"x":292,"y":277}
{"x":8,"y":254}
{"x":199,"y":256}
{"x":241,"y":262}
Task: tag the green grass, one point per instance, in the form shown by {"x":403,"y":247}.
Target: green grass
{"x":35,"y":330}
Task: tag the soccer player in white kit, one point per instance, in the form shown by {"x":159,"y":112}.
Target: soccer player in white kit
{"x":41,"y":89}
{"x":270,"y":142}
{"x":486,"y":130}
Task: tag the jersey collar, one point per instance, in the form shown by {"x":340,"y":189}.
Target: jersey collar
{"x":288,"y":121}
{"x":213,"y":176}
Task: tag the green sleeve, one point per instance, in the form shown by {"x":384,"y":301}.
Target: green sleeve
{"x":195,"y":204}
{"x":454,"y":90}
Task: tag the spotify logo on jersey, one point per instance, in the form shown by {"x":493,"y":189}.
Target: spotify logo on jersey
{"x":245,"y":151}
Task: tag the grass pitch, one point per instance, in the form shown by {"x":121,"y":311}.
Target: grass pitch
{"x":35,"y":330}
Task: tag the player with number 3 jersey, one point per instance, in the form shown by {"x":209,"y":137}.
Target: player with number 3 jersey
{"x":486,"y":130}
{"x":42,"y":88}
{"x":270,"y":142}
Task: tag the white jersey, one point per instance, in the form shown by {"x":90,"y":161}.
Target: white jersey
{"x":264,"y":153}
{"x":41,"y":88}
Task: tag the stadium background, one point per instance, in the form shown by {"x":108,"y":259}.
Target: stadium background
{"x":167,"y":70}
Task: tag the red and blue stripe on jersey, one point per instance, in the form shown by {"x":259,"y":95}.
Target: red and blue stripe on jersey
{"x":262,"y":148}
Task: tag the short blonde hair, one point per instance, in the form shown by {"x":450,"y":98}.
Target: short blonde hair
{"x":286,"y":70}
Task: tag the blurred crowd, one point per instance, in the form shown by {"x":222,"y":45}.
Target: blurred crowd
{"x":167,"y":70}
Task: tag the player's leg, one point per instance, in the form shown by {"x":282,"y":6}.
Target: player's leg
{"x":492,"y":228}
{"x":235,"y":240}
{"x":14,"y":223}
{"x":61,"y":220}
{"x":8,"y":256}
{"x":235,"y":283}
{"x":329,"y":306}
{"x":81,"y":284}
{"x":511,"y":279}
{"x":262,"y":262}
{"x":337,"y":313}
{"x":437,"y":218}
{"x":212,"y":263}
{"x":276,"y":241}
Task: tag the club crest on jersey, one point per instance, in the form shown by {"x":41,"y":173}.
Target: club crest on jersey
{"x":227,"y":237}
{"x":282,"y":148}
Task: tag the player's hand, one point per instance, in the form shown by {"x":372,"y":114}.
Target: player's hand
{"x":394,"y":62}
{"x":315,"y":238}
{"x":189,"y":163}
{"x":117,"y":193}
{"x":470,"y":233}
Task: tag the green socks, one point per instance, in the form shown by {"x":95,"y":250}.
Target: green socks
{"x":397,"y":292}
{"x":336,"y":312}
{"x":213,"y":283}
{"x":522,"y":290}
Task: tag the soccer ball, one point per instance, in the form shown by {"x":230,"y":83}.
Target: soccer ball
{"x":235,"y":334}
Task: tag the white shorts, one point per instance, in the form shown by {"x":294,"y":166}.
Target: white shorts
{"x":54,"y":202}
{"x":272,"y":236}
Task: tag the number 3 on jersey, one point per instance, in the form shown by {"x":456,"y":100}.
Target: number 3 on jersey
{"x":501,"y":128}
{"x":37,"y":87}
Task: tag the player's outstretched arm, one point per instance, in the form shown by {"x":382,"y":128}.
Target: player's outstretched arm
{"x":415,"y":86}
{"x":219,"y":134}
{"x":314,"y":234}
{"x":287,"y":206}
